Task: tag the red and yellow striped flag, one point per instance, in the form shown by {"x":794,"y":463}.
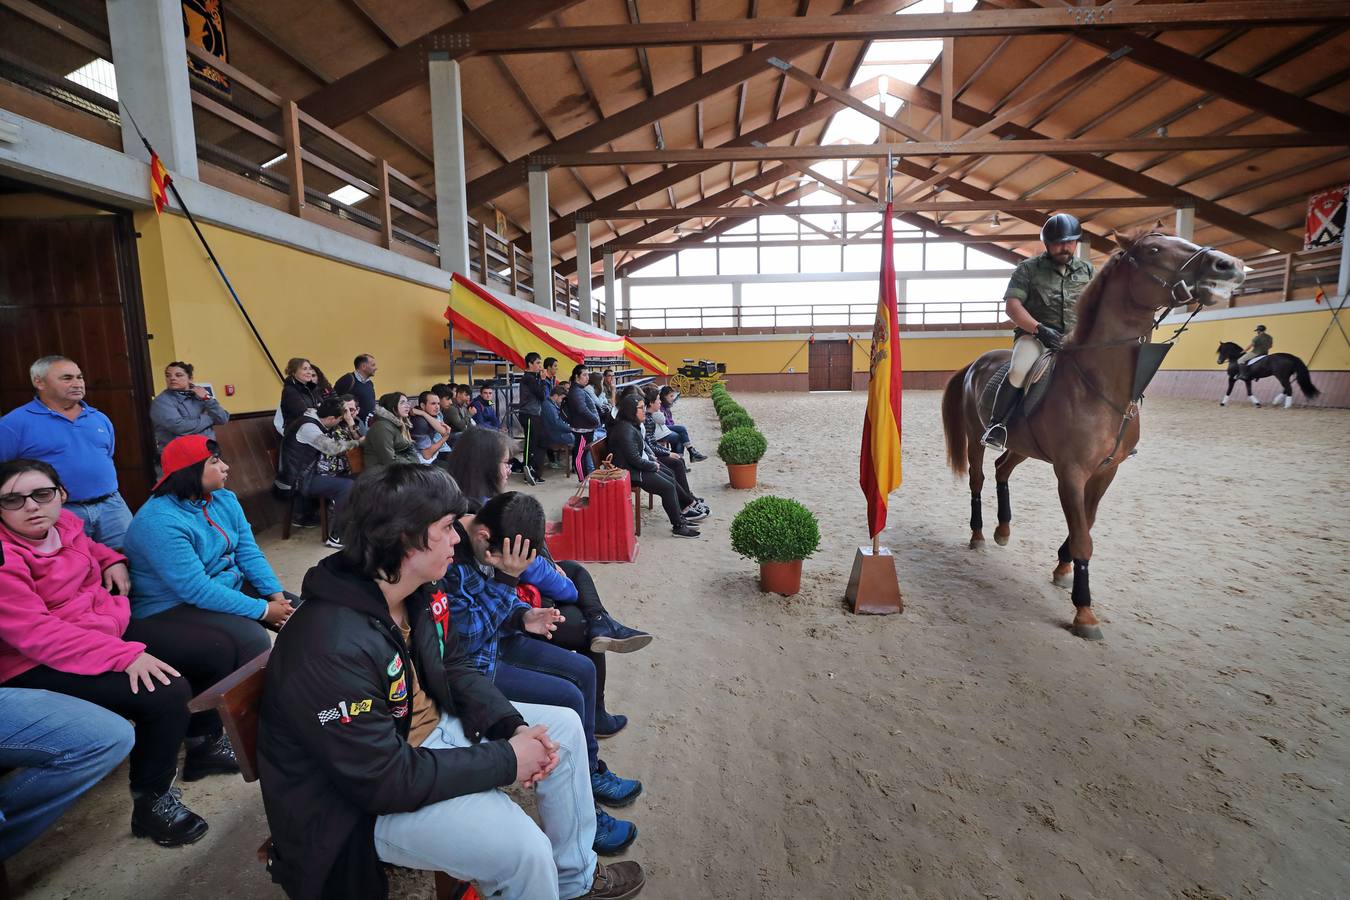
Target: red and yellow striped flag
{"x":159,"y":183}
{"x":880,"y":467}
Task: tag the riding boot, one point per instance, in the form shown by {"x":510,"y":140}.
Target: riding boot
{"x":996,"y":435}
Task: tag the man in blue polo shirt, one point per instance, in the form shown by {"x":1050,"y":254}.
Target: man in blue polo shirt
{"x":59,"y":428}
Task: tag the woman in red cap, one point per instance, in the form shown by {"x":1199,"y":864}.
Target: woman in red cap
{"x":66,"y":626}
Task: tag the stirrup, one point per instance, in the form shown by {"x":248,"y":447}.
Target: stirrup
{"x":992,"y":439}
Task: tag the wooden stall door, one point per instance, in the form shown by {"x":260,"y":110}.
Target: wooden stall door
{"x":831,"y":366}
{"x":69,"y":286}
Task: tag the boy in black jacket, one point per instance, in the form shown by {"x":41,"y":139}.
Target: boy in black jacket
{"x":379,"y":742}
{"x":533,"y":396}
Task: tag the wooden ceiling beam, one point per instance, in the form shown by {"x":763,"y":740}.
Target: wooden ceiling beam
{"x":401,"y":70}
{"x":998,"y":204}
{"x":1216,"y":79}
{"x":1114,"y":172}
{"x":845,"y":97}
{"x":833,"y":241}
{"x":979,"y":23}
{"x":675,"y":174}
{"x":1035,"y":146}
{"x":687,"y":93}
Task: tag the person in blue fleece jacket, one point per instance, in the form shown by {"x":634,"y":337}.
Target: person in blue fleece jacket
{"x":193,"y":558}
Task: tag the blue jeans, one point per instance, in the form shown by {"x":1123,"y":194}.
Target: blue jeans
{"x":331,"y":487}
{"x":489,"y":840}
{"x":681,"y":439}
{"x":62,"y":747}
{"x":530,"y":670}
{"x":106,"y":522}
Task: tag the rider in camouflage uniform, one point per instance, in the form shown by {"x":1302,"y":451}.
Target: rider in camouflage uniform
{"x":1260,"y":346}
{"x":1042,"y":301}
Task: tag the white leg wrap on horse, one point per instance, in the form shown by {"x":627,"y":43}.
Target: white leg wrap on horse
{"x":1288,"y":401}
{"x":1255,"y":402}
{"x":1224,"y":401}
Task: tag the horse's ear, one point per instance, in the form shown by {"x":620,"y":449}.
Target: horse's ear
{"x":1124,"y":241}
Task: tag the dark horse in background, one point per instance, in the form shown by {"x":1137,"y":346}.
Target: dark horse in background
{"x":1282,"y":365}
{"x":1085,"y":423}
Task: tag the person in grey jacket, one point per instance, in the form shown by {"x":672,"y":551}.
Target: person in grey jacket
{"x":184,"y":408}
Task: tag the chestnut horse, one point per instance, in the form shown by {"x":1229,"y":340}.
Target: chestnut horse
{"x":1087,"y":420}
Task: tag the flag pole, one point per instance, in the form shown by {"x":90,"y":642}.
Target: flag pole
{"x":890,"y":197}
{"x":209,"y":252}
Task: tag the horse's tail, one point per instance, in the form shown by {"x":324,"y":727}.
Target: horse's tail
{"x":1304,"y":379}
{"x":954,"y":422}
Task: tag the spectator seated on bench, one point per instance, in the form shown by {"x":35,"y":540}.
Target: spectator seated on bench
{"x":627,"y":446}
{"x":494,"y":626}
{"x":389,"y":439}
{"x":583,"y":413}
{"x":311,"y":439}
{"x":194,"y":560}
{"x":484,"y":412}
{"x":431,"y":435}
{"x":656,"y":432}
{"x":459,"y":415}
{"x":386,"y":744}
{"x":668,"y":397}
{"x":62,"y":629}
{"x":556,"y":432}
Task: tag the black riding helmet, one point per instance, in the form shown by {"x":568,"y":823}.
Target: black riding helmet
{"x":1260,"y":328}
{"x":1061,"y":227}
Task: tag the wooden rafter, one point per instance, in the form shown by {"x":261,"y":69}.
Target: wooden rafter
{"x":979,"y":23}
{"x":866,"y":203}
{"x":403,"y":69}
{"x":680,"y":96}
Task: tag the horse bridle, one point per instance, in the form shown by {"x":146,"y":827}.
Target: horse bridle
{"x":1178,"y":291}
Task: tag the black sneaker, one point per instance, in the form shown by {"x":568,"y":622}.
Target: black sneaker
{"x":684,"y":531}
{"x":305,"y":522}
{"x":165,"y":820}
{"x":695,"y":456}
{"x":695,"y":513}
{"x":215,"y":756}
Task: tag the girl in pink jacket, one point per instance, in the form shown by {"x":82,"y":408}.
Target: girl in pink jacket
{"x":65,"y":626}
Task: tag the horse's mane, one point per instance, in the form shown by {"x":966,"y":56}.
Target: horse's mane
{"x":1090,"y":301}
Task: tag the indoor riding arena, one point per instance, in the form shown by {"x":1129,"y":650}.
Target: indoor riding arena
{"x":308,"y":310}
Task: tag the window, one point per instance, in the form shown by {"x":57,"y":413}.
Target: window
{"x":98,"y":75}
{"x":737,"y":260}
{"x":679,"y":306}
{"x":698,"y":262}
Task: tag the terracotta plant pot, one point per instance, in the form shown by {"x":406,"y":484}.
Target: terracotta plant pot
{"x":743,"y":477}
{"x":781,"y":577}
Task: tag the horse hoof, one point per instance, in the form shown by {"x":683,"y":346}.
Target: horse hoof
{"x":1002,"y":534}
{"x":1086,"y":632}
{"x":977,"y":543}
{"x":1064,"y":580}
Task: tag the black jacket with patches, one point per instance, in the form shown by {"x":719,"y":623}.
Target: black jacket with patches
{"x":626,"y":443}
{"x":332,"y":738}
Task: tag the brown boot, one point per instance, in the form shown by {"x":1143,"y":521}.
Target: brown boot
{"x":616,"y":881}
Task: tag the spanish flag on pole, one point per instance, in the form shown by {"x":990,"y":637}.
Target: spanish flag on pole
{"x":880,"y":468}
{"x":159,"y":183}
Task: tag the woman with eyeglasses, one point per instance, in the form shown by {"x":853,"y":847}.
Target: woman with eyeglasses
{"x":66,"y":627}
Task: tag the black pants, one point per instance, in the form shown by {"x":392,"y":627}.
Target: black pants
{"x":535,"y":452}
{"x":664,"y":486}
{"x":574,"y":631}
{"x":677,"y":470}
{"x":204,"y":646}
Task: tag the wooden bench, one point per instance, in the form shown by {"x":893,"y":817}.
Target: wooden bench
{"x":237,"y":699}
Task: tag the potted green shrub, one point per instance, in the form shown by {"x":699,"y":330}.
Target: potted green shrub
{"x":742,"y":449}
{"x":777,"y":533}
{"x":737,"y":418}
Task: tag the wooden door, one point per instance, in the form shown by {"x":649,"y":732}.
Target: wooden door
{"x":69,"y":286}
{"x":830,"y":366}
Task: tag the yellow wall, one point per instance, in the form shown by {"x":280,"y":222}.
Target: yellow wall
{"x":1296,"y":333}
{"x":302,"y":304}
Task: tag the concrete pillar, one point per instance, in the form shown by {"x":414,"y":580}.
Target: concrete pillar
{"x":736,"y":304}
{"x":447,"y":147}
{"x":584,"y":308}
{"x":611,"y":302}
{"x":150,"y":57}
{"x":541,"y":253}
{"x":1186,"y":222}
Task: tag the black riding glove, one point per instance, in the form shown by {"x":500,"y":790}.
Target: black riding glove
{"x":1049,"y":337}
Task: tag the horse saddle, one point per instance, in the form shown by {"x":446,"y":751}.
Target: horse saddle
{"x":1038,"y":379}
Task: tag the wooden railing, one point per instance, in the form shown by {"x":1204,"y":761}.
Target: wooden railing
{"x":801,"y":317}
{"x":1280,"y":277}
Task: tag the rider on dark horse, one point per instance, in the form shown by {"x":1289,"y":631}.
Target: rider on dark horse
{"x":1260,"y":346}
{"x":1042,"y":302}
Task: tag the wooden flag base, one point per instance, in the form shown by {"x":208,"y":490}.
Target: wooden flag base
{"x":874,"y":587}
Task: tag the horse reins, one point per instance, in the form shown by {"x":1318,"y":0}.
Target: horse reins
{"x":1179,"y":292}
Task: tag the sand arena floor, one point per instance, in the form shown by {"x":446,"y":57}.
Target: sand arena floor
{"x":970,"y":747}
